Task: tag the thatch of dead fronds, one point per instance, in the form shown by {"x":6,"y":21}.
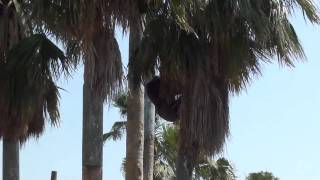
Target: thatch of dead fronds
{"x":28,"y":68}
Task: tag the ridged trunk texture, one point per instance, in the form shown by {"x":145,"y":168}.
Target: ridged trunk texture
{"x":92,"y":143}
{"x":184,"y":167}
{"x":10,"y":159}
{"x":149,"y":134}
{"x":184,"y":162}
{"x":135,"y":117}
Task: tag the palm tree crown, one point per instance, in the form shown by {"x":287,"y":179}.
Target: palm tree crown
{"x":29,"y":66}
{"x":220,"y":54}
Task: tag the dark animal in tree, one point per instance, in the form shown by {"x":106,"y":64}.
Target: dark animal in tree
{"x":167,"y":107}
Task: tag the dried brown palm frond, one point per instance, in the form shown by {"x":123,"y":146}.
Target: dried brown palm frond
{"x":28,"y":93}
{"x":28,"y":68}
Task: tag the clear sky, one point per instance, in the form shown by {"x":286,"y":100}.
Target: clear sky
{"x":275,"y":125}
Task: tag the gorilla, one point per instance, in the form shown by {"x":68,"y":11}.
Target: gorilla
{"x":167,"y":107}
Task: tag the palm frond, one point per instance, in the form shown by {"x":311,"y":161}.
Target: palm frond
{"x":220,"y":169}
{"x":116,"y":132}
{"x":40,"y":56}
{"x":29,"y":95}
{"x":86,"y":30}
{"x":120,"y":102}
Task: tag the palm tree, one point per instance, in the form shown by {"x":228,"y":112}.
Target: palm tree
{"x":28,"y":93}
{"x":86,"y":28}
{"x":219,"y":55}
{"x":135,"y":116}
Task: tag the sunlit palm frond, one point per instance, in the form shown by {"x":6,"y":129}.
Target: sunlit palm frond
{"x":163,"y":171}
{"x":220,"y":169}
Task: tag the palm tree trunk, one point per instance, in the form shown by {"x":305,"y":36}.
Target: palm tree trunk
{"x":10,"y":146}
{"x":10,"y":159}
{"x":183,"y":171}
{"x":92,"y":143}
{"x":149,"y":126}
{"x":135,"y":117}
{"x":184,"y":167}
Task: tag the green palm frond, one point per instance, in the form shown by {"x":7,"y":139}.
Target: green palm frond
{"x":163,"y":171}
{"x":166,"y":143}
{"x":116,"y":132}
{"x":220,"y":169}
{"x":120,"y":101}
{"x":120,"y":127}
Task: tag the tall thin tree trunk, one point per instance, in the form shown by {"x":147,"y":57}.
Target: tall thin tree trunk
{"x":184,"y":163}
{"x":135,"y":117}
{"x":92,"y":143}
{"x":149,"y":126}
{"x":184,"y":167}
{"x":54,"y":175}
{"x":10,"y":159}
{"x":14,"y":33}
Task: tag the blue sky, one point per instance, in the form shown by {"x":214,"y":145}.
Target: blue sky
{"x":275,"y":124}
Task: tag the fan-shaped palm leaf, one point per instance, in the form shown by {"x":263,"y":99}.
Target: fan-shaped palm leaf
{"x":29,"y":94}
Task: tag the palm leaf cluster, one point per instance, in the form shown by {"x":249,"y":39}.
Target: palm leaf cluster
{"x":166,"y":149}
{"x":119,"y":127}
{"x":116,"y":132}
{"x":224,"y":51}
{"x":167,"y":137}
{"x":166,"y":142}
{"x":215,"y":170}
{"x":29,"y":65}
